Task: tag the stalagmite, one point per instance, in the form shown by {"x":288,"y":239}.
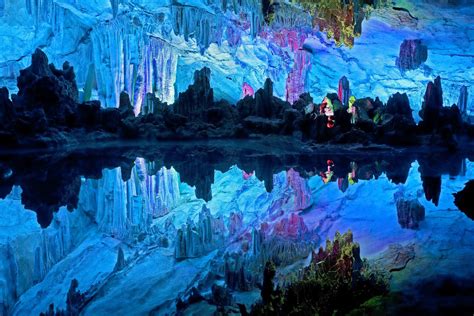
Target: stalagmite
{"x":343,"y":91}
{"x":463,"y":98}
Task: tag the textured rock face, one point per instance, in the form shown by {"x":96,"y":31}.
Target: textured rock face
{"x":409,"y":211}
{"x":195,"y":240}
{"x":412,"y":54}
{"x":396,"y":257}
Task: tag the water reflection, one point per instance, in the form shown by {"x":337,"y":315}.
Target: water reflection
{"x":49,"y":181}
{"x":190,"y":231}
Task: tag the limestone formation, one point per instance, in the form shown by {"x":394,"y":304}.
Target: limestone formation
{"x":412,"y":54}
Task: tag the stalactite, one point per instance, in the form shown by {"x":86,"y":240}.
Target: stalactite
{"x":114,"y":4}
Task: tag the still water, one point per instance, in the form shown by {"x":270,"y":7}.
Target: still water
{"x":179,"y":231}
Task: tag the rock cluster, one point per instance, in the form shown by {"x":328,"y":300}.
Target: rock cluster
{"x":46,"y":112}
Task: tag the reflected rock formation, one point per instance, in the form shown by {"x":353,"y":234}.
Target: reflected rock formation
{"x":58,"y":180}
{"x":138,"y":224}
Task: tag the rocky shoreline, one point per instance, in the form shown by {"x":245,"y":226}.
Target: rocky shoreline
{"x":46,"y":113}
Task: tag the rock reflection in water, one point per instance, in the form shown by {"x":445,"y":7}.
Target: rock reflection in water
{"x":193,"y":235}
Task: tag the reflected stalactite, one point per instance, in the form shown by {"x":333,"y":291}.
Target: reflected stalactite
{"x":432,"y":188}
{"x":142,"y":189}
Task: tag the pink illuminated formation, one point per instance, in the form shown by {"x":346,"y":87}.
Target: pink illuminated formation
{"x":246,"y":175}
{"x":301,"y":189}
{"x":293,"y":227}
{"x":292,"y":40}
{"x":247,"y":90}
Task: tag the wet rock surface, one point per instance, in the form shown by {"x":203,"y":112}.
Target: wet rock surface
{"x":396,"y":257}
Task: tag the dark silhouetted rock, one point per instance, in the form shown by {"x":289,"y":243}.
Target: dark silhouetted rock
{"x":129,"y":128}
{"x":120,"y":263}
{"x":125,"y":106}
{"x":464,"y":199}
{"x":256,"y":124}
{"x":152,"y":105}
{"x":432,"y":188}
{"x":263,"y":105}
{"x":234,"y":272}
{"x":88,"y":114}
{"x":198,"y":97}
{"x":397,"y":126}
{"x":433,"y":102}
{"x":412,"y":54}
{"x":43,"y":86}
{"x":6,"y":106}
{"x":222,"y":114}
{"x":221,"y":296}
{"x":398,"y":104}
{"x":304,"y":100}
{"x":110,"y":119}
{"x":263,"y":99}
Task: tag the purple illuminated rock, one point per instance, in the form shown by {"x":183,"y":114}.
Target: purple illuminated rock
{"x":412,"y":54}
